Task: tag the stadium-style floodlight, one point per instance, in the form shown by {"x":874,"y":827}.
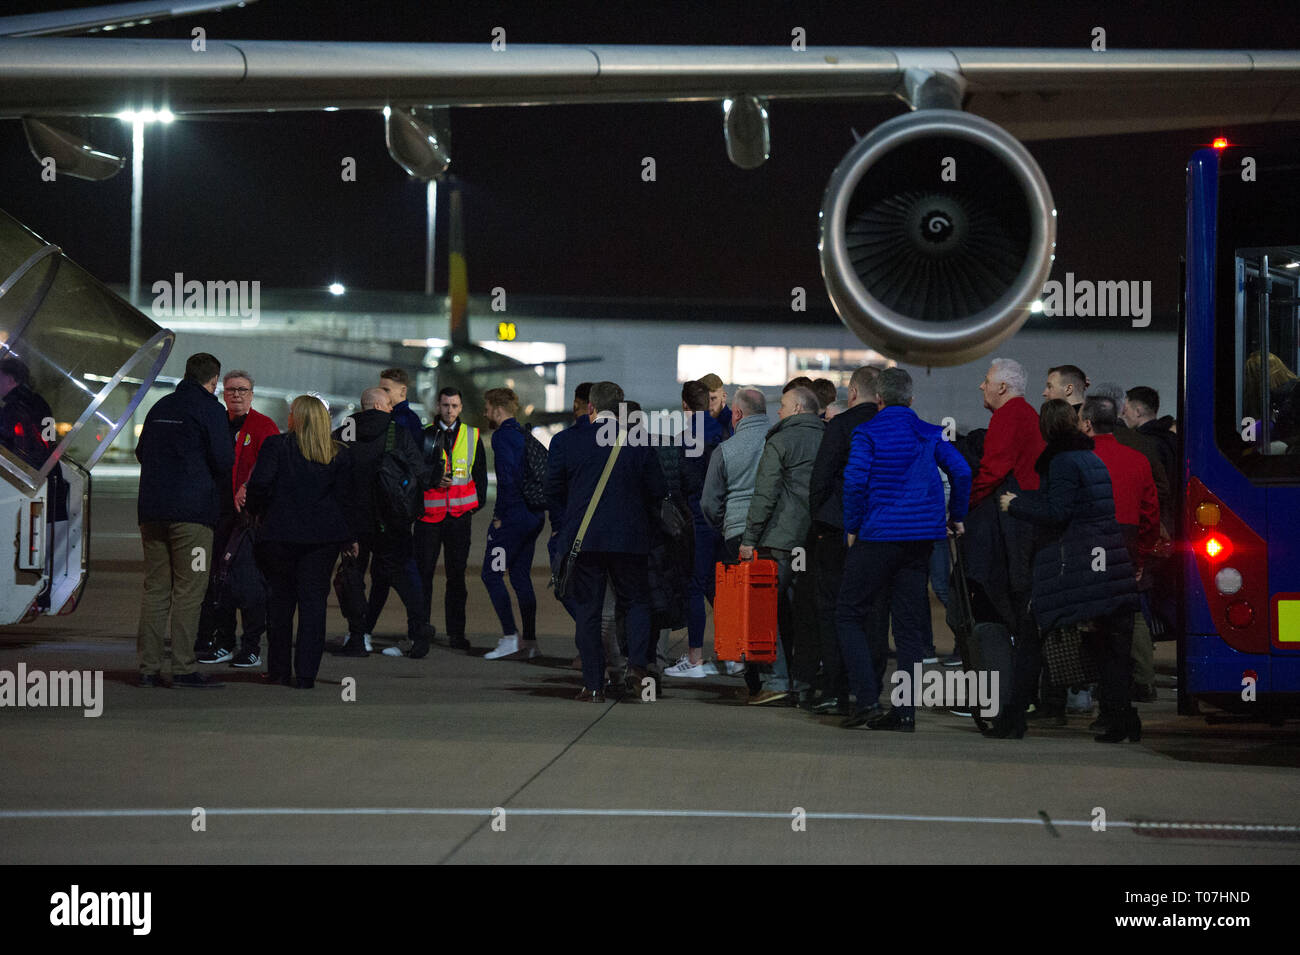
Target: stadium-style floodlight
{"x":146,"y":116}
{"x":138,"y":118}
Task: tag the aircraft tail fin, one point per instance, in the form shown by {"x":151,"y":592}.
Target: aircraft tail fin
{"x":458,"y":278}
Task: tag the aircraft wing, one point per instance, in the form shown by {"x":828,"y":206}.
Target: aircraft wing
{"x":108,"y":17}
{"x":1033,"y":93}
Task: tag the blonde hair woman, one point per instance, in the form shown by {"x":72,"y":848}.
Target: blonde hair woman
{"x":301,"y":488}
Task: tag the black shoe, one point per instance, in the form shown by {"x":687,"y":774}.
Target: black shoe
{"x":459,"y":642}
{"x":833,"y":706}
{"x":271,"y":678}
{"x":303,"y":683}
{"x":1131,"y":728}
{"x":1097,"y":725}
{"x":1143,"y":694}
{"x":952,"y":660}
{"x":633,"y":683}
{"x":216,"y":655}
{"x":1047,"y":717}
{"x":354,"y":647}
{"x":150,"y":680}
{"x":195,"y":681}
{"x":893,"y":720}
{"x":246,"y":660}
{"x":419,"y":649}
{"x":861,"y":717}
{"x":1007,"y":726}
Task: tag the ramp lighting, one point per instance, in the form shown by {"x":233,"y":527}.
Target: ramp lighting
{"x":1220,"y":143}
{"x":1036,"y":307}
{"x":337,"y":289}
{"x":146,"y":116}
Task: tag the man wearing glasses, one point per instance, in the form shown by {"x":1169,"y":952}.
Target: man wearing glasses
{"x":241,"y":586}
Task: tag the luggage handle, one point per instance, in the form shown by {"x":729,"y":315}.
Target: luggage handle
{"x":740,"y":560}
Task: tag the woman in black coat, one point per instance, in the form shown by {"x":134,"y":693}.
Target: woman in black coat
{"x":1074,"y":508}
{"x":300,"y":488}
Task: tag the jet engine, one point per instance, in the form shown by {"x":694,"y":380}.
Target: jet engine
{"x":937,"y":232}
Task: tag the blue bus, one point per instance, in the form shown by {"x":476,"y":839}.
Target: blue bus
{"x":1239,"y":560}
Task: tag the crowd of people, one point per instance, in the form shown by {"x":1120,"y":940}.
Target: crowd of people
{"x":854,"y":501}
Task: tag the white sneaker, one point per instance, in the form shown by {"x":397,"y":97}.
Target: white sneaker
{"x":728,"y":667}
{"x":505,"y":647}
{"x":369,"y":648}
{"x":392,"y":652}
{"x":685,"y":668}
{"x":527,"y":651}
{"x":1080,"y":702}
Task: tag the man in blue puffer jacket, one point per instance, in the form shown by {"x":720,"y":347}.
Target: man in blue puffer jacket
{"x":893,"y":514}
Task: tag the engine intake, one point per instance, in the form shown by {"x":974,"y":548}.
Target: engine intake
{"x":937,"y":232}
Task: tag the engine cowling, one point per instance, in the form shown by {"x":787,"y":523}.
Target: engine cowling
{"x":937,"y":232}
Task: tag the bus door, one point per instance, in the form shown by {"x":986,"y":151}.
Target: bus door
{"x":1268,"y":372}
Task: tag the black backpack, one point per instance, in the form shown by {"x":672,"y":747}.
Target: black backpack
{"x":535,"y":456}
{"x":399,"y":496}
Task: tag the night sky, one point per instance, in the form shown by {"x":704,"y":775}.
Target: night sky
{"x":554,"y":196}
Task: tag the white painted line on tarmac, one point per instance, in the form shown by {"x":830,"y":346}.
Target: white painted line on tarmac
{"x":633,"y":813}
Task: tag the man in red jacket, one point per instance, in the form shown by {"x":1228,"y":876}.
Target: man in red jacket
{"x":248,"y":429}
{"x":1013,"y":443}
{"x":1011,"y":448}
{"x":1137,"y":510}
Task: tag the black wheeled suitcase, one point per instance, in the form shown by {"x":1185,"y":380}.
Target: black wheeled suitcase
{"x":987,"y":646}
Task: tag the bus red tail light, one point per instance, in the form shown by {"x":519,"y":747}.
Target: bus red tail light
{"x":1240,"y":614}
{"x":1237,"y":597}
{"x":1217,"y":547}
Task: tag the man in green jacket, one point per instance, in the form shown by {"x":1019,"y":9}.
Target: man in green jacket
{"x":779,"y":516}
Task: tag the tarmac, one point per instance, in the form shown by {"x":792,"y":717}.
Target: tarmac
{"x":456,"y":759}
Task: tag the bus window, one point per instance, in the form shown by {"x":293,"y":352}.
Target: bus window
{"x":1266,"y":363}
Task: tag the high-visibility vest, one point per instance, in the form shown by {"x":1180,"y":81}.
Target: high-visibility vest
{"x":462,"y":496}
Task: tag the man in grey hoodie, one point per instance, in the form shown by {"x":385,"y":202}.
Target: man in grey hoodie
{"x":779,"y":515}
{"x":733,"y":468}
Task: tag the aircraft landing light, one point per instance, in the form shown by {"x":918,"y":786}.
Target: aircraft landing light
{"x":337,"y":289}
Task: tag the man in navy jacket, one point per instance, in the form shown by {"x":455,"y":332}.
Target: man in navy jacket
{"x":185,"y":456}
{"x":893,"y":514}
{"x":512,"y":535}
{"x":617,"y":541}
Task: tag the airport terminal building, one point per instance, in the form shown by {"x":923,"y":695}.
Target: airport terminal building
{"x":649,"y":347}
